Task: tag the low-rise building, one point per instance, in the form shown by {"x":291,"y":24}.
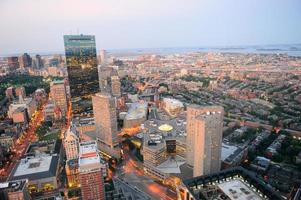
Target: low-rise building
{"x":14,"y":190}
{"x":172,"y":106}
{"x":20,"y":115}
{"x":41,"y":171}
{"x":261,"y":163}
{"x":232,"y":155}
{"x":28,"y":103}
{"x":274,"y":147}
{"x":136,"y":115}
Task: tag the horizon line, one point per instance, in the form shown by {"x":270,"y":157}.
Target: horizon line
{"x":150,"y":48}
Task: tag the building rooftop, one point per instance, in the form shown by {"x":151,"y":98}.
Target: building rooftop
{"x":165,"y":127}
{"x":162,"y":128}
{"x":173,"y":102}
{"x":136,"y":111}
{"x":88,"y":149}
{"x":38,"y":167}
{"x":57,"y":82}
{"x":13,"y":186}
{"x":72,"y":164}
{"x":88,"y":153}
{"x":48,"y":147}
{"x":89,"y":160}
{"x":230,"y":184}
{"x":227,"y":150}
{"x":237,"y":189}
{"x":172,"y":165}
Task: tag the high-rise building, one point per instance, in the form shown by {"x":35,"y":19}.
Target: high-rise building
{"x":10,"y":93}
{"x":13,"y":62}
{"x":25,"y":61}
{"x":115,"y":86}
{"x":102,"y":56}
{"x":105,"y":118}
{"x":20,"y":91}
{"x":204,"y":138}
{"x":72,"y":173}
{"x":90,"y":172}
{"x":71,"y":142}
{"x":39,"y":62}
{"x":104,"y":74}
{"x":59,"y":95}
{"x":81,"y":59}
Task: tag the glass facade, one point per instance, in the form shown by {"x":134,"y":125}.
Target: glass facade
{"x":81,"y":59}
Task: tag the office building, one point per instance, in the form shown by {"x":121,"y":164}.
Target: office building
{"x":172,"y":106}
{"x":40,"y":166}
{"x":20,"y":91}
{"x":81,"y":59}
{"x":59,"y":95}
{"x":10,"y":93}
{"x":164,"y":147}
{"x":71,"y":142}
{"x":72,"y":173}
{"x":102,"y":56}
{"x":136,"y":115}
{"x":234,"y":183}
{"x":15,"y":93}
{"x":204,"y":138}
{"x":13,"y":62}
{"x":40,"y":170}
{"x":20,"y":115}
{"x":115,"y":86}
{"x":14,"y":190}
{"x":104,"y":74}
{"x":28,"y":103}
{"x":25,"y":61}
{"x":90,"y":172}
{"x":105,"y":119}
{"x":46,"y":147}
{"x":39,"y":62}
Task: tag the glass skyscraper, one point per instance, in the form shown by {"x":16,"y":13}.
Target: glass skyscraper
{"x":81,"y":58}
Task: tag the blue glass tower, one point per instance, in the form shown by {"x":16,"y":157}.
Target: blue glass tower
{"x":81,"y":59}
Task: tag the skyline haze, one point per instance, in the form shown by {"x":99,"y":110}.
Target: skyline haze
{"x":29,"y":26}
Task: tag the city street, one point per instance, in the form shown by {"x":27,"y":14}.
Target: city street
{"x":132,"y":172}
{"x":23,"y":142}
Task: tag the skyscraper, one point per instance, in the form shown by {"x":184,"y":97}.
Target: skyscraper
{"x":204,"y":138}
{"x":90,"y":172}
{"x":13,"y":62}
{"x":25,"y":61}
{"x":115,"y":86}
{"x":71,"y":142}
{"x":39,"y":62}
{"x":102,"y":56}
{"x":59,"y":95}
{"x":105,"y":118}
{"x":81,"y":59}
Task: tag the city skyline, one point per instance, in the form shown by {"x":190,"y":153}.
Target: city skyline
{"x":148,"y":24}
{"x":147,"y":100}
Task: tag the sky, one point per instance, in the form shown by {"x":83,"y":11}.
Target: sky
{"x":39,"y":25}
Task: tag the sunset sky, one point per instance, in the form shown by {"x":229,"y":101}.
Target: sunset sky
{"x":39,"y":25}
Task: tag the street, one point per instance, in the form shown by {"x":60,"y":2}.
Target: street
{"x":22,"y":143}
{"x":132,"y":172}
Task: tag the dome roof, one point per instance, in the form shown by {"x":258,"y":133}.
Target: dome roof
{"x":165,"y":127}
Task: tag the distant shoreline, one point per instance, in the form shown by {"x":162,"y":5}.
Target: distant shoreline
{"x":291,"y":50}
